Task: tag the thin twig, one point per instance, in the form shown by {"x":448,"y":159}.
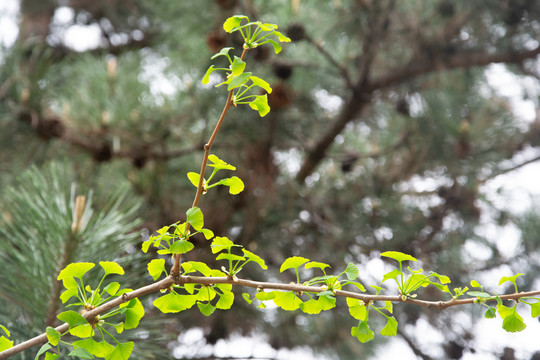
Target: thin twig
{"x":510,"y":169}
{"x":175,"y":271}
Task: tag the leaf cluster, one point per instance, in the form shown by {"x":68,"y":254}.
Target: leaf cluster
{"x":244,"y":83}
{"x":87,"y":298}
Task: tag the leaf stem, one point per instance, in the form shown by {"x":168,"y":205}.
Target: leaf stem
{"x":175,"y":271}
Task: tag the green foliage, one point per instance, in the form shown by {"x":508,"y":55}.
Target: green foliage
{"x":234,"y":183}
{"x":407,"y":284}
{"x":180,"y":298}
{"x":174,"y":240}
{"x":244,"y":83}
{"x":5,"y":343}
{"x":236,"y":262}
{"x":87,"y":299}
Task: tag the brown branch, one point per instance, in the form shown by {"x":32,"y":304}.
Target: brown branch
{"x":342,"y":69}
{"x":364,"y":87}
{"x":358,"y":99}
{"x":42,"y":339}
{"x":510,"y":169}
{"x":463,"y":60}
{"x":298,"y":288}
{"x":175,"y":271}
{"x":354,"y":105}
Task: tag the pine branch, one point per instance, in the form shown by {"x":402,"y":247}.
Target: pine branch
{"x":361,"y":93}
{"x":460,"y":60}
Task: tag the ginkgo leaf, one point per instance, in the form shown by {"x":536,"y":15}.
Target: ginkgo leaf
{"x":390,"y":329}
{"x":219,"y":164}
{"x":235,"y":184}
{"x":399,"y":256}
{"x":156,"y":267}
{"x":255,"y":258}
{"x":257,"y":81}
{"x":362,"y":332}
{"x":75,"y":270}
{"x":293,"y":263}
{"x":111,"y":267}
{"x":233,"y":22}
{"x":261,"y":105}
{"x":73,"y":318}
{"x":221,"y":243}
{"x":195,"y":217}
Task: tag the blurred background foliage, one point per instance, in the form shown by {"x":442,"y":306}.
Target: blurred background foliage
{"x":383,"y":134}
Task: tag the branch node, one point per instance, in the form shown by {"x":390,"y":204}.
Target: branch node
{"x":441,"y":305}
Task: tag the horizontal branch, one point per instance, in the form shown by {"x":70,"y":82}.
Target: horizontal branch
{"x":459,"y":60}
{"x":367,"y":298}
{"x":260,"y":285}
{"x":42,"y":339}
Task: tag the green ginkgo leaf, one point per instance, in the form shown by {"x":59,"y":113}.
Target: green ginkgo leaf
{"x":233,"y":22}
{"x":311,"y":306}
{"x":122,"y":351}
{"x":235,"y":184}
{"x":206,"y":309}
{"x":261,"y":83}
{"x":82,"y":331}
{"x":75,"y":270}
{"x":53,"y":336}
{"x":316,"y":264}
{"x":391,"y":275}
{"x":363,"y":333}
{"x":238,"y":80}
{"x":194,"y":178}
{"x":206,"y":77}
{"x":81,"y":353}
{"x":111,"y":267}
{"x":237,"y":66}
{"x":73,"y":318}
{"x":51,"y":356}
{"x":222,"y":52}
{"x":195,"y":217}
{"x":5,"y":343}
{"x":535,"y":309}
{"x":293,"y":263}
{"x":351,"y":271}
{"x":513,"y":323}
{"x":511,"y":279}
{"x":181,"y":247}
{"x":156,"y":267}
{"x":281,"y":37}
{"x":261,"y":105}
{"x":287,"y":300}
{"x":208,"y":234}
{"x":100,"y":349}
{"x":277,"y":47}
{"x":134,"y":313}
{"x":490,"y":313}
{"x":225,"y":301}
{"x":5,"y":330}
{"x":398,"y":256}
{"x":255,"y":258}
{"x":173,"y":303}
{"x":221,"y":243}
{"x":219,"y":164}
{"x":232,"y":257}
{"x":357,"y":308}
{"x":191,"y":266}
{"x":390,"y":329}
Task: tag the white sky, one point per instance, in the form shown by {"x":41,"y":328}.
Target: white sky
{"x":515,"y":192}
